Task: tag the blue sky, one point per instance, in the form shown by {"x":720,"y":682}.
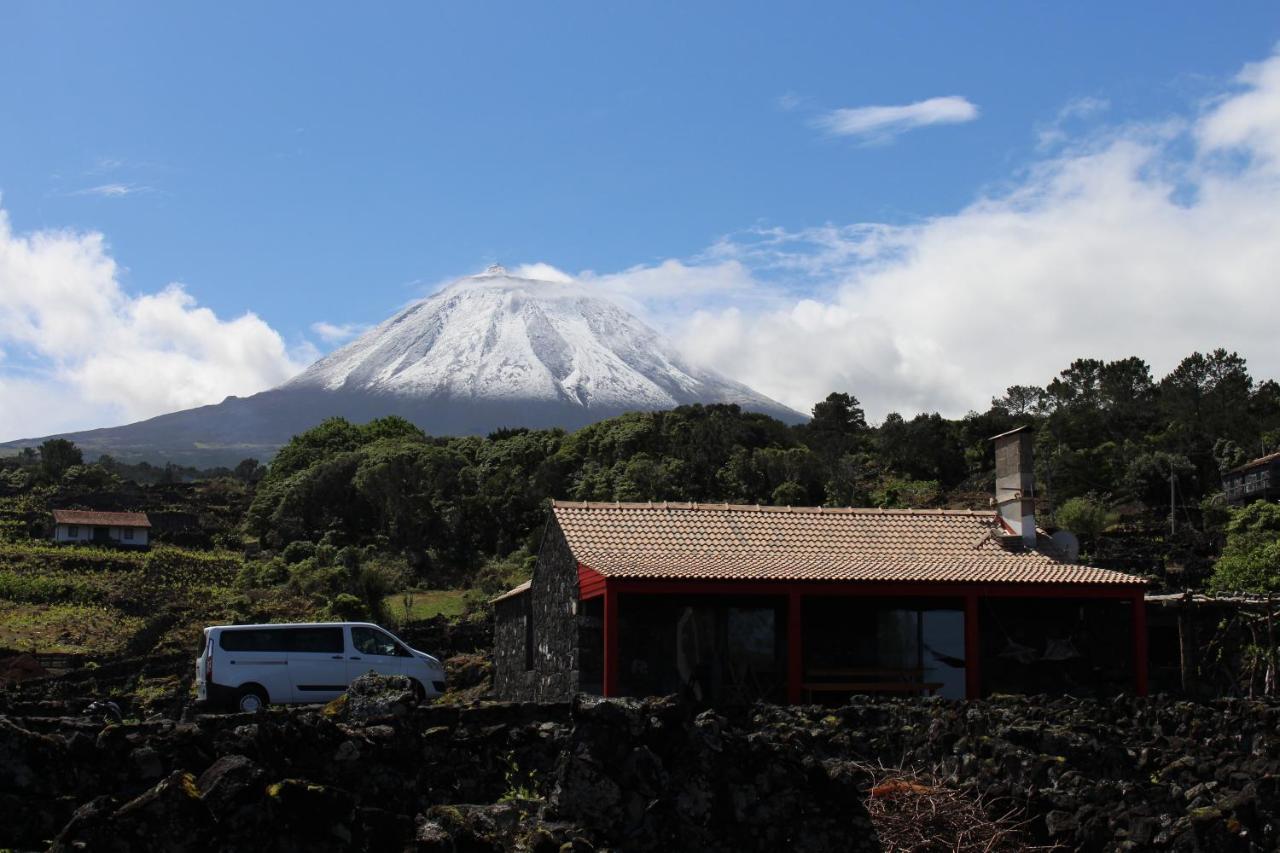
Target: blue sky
{"x":326,"y":163}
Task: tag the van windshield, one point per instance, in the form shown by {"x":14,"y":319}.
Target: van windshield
{"x":327,"y":640}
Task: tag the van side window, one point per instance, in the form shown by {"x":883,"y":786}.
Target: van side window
{"x":283,"y":640}
{"x":369,"y":641}
{"x":254,"y":640}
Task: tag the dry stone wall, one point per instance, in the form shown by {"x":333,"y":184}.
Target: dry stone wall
{"x":384,"y":774}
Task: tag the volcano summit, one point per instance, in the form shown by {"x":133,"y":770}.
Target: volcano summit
{"x":488,"y":351}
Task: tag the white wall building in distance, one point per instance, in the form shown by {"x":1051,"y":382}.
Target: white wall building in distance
{"x":126,"y":529}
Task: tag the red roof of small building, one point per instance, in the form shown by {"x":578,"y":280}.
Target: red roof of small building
{"x":91,"y":518}
{"x":733,"y":542}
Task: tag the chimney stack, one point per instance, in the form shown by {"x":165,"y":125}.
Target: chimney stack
{"x":1016,"y":483}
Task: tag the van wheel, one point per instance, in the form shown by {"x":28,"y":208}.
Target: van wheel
{"x":251,"y":698}
{"x":419,"y":692}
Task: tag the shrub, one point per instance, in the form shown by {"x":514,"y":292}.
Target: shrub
{"x":347,"y":608}
{"x":1251,"y":558}
{"x":906,"y":493}
{"x":1086,"y":517}
{"x":296,"y":552}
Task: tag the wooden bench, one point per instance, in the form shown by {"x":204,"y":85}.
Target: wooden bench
{"x":868,"y":680}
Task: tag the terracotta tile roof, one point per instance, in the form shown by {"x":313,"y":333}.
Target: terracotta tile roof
{"x":724,"y":541}
{"x":1253,"y":463}
{"x":89,"y":519}
{"x":513,"y":592}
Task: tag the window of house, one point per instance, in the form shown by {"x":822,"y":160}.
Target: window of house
{"x":73,"y":531}
{"x":128,"y":533}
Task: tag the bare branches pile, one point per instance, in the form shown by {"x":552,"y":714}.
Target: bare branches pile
{"x":913,"y":812}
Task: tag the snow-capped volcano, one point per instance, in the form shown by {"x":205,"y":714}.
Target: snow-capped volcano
{"x":500,"y":338}
{"x":486,"y":352}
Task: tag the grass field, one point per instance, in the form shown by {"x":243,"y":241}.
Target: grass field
{"x":425,"y":603}
{"x":65,"y":628}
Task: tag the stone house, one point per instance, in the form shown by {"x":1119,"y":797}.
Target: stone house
{"x":125,"y":529}
{"x":729,"y":604}
{"x":1258,"y":479}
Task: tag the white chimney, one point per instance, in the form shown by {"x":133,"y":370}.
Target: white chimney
{"x":1016,"y":483}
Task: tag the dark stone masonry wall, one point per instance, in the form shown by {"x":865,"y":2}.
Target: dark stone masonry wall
{"x":595,"y":775}
{"x":511,"y":678}
{"x":1123,"y":774}
{"x":553,"y":603}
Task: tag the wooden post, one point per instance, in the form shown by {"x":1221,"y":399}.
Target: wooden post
{"x":1188,"y":661}
{"x":972,"y":649}
{"x":1269,"y":685}
{"x":610,"y":641}
{"x":1139,"y":622}
{"x":795,"y":652}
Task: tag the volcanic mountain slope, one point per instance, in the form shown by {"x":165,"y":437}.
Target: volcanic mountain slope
{"x":488,"y":351}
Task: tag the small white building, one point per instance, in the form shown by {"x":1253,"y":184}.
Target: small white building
{"x":126,"y":529}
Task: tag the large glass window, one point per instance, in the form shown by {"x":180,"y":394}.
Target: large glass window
{"x":891,"y":646}
{"x":708,"y":648}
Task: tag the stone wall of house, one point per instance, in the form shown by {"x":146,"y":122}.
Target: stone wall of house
{"x":553,"y":605}
{"x":511,"y":679}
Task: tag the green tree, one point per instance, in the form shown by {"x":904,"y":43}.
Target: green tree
{"x":838,"y":426}
{"x":789,"y":493}
{"x":1022,"y":401}
{"x":249,"y":471}
{"x":56,"y":456}
{"x":1086,"y":517}
{"x":1146,"y":478}
{"x":1250,"y":559}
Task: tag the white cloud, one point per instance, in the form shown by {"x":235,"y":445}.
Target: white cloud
{"x":113,"y":190}
{"x":1152,"y":240}
{"x":93,"y":354}
{"x":1074,"y":111}
{"x":541,"y":272}
{"x":789,"y":101}
{"x":336,"y":333}
{"x":1248,"y":121}
{"x":881,"y":123}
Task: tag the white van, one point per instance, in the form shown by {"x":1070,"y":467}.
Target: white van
{"x":247,"y":666}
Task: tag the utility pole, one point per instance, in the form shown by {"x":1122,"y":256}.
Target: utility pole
{"x":1173,"y":506}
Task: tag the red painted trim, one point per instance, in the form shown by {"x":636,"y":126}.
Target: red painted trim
{"x":590,"y":582}
{"x":610,"y":641}
{"x":867,"y":588}
{"x":972,"y":649}
{"x":795,"y":650}
{"x":1140,"y":656}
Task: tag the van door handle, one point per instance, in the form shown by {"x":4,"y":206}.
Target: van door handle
{"x":353,"y":657}
{"x":337,"y":657}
